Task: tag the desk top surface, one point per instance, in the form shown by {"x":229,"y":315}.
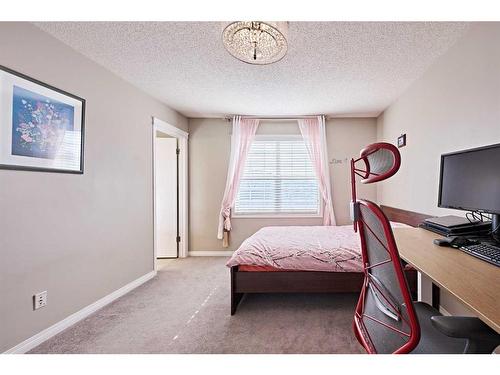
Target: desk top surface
{"x":474,"y":282}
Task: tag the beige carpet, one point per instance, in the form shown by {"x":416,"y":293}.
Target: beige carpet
{"x":185,"y":309}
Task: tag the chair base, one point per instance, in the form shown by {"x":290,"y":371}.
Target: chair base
{"x":433,"y":341}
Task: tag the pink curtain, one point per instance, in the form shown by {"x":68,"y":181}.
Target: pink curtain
{"x":314,"y":133}
{"x":241,"y":140}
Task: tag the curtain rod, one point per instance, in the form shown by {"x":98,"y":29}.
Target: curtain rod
{"x":277,"y":117}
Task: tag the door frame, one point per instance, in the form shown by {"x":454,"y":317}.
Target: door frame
{"x":182,"y":141}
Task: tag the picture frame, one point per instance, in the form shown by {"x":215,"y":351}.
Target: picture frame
{"x":42,"y":128}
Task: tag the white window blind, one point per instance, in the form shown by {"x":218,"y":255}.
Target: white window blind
{"x":278,"y":178}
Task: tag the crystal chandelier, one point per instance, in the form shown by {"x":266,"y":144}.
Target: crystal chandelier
{"x":256,"y":42}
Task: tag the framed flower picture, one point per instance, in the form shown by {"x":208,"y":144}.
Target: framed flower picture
{"x":41,"y":127}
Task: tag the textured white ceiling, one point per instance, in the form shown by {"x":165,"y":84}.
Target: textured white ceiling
{"x":335,"y":68}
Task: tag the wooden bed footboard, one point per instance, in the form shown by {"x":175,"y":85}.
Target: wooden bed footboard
{"x":243,"y":282}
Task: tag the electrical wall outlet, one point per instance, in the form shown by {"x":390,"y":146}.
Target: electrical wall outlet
{"x":40,"y":300}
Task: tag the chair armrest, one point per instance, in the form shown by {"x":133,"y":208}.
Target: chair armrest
{"x":464,"y":327}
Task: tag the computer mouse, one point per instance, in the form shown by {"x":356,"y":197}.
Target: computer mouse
{"x":456,"y":241}
{"x":442,"y":241}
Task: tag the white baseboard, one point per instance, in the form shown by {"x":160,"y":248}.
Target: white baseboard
{"x":211,"y":253}
{"x":53,"y":330}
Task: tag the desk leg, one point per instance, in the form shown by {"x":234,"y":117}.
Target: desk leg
{"x":435,"y":296}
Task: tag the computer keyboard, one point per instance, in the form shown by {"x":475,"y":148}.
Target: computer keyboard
{"x":484,"y":251}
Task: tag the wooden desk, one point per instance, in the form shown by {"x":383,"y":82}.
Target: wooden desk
{"x":472,"y":281}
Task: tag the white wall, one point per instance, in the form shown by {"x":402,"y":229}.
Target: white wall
{"x":80,"y":237}
{"x":455,"y":105}
{"x":209,"y":148}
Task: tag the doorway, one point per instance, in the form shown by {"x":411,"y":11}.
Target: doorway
{"x":167,"y":196}
{"x":169,"y":191}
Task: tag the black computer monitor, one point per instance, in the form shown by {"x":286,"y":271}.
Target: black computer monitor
{"x":470,"y":180}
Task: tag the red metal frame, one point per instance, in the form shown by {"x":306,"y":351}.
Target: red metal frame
{"x":393,"y":255}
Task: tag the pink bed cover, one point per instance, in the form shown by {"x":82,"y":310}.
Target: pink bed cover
{"x":304,"y":248}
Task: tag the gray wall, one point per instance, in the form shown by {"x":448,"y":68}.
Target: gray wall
{"x":80,"y":237}
{"x":455,"y":105}
{"x":209,"y":148}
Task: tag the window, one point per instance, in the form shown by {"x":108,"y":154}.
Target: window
{"x":278,"y":179}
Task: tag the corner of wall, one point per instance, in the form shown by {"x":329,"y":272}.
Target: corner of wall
{"x":380,"y":126}
{"x":380,"y":138}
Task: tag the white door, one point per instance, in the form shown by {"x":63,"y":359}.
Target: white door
{"x":166,"y":197}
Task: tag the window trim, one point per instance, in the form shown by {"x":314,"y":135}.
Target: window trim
{"x":280,"y":215}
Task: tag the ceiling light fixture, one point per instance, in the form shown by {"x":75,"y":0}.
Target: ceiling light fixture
{"x":256,"y":42}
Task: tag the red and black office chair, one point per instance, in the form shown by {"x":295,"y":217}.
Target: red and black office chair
{"x":386,"y":319}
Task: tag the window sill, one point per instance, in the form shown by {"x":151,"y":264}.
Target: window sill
{"x":277,"y":216}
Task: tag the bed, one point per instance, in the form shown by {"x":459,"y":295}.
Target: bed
{"x":306,"y":260}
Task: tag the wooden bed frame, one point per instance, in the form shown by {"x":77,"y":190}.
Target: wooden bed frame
{"x":313,"y":281}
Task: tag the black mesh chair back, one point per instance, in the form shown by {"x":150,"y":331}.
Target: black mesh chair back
{"x":385,"y":319}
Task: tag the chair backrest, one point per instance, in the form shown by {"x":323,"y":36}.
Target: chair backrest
{"x":385,"y":320}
